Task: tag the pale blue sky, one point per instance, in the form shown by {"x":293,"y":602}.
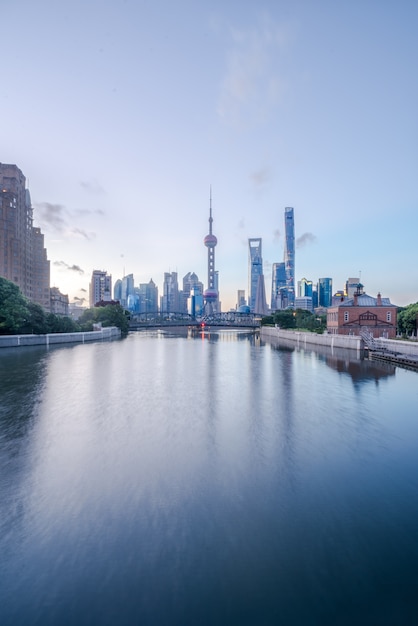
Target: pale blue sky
{"x":122,"y":113}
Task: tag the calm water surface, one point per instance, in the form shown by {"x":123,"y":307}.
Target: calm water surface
{"x":174,"y":480}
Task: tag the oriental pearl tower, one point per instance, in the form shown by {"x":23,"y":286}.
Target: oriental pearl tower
{"x":210,"y":295}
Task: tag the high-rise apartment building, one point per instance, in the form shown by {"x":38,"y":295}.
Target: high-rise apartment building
{"x":255,"y":269}
{"x":289,"y":254}
{"x":100,"y":287}
{"x":23,"y":257}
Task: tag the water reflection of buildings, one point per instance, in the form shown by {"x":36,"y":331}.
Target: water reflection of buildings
{"x":343,"y":361}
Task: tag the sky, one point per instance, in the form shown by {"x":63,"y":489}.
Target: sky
{"x":124,"y":114}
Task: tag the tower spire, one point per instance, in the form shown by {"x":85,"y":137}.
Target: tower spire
{"x":210,"y":210}
{"x":211,"y":293}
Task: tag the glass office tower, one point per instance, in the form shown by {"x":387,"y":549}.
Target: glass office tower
{"x":289,"y":254}
{"x":255,"y":269}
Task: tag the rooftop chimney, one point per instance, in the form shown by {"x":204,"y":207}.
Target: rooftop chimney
{"x":379,"y":299}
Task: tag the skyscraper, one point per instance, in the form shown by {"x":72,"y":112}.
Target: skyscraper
{"x":278,"y":287}
{"x":148,"y":297}
{"x":211,"y":294}
{"x":289,"y":254}
{"x":100,"y":287}
{"x":324,"y":292}
{"x":23,"y":258}
{"x":260,"y":306}
{"x":305,"y":288}
{"x":255,"y":269}
{"x":170,"y":298}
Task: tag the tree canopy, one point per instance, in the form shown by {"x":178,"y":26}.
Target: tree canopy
{"x":407,"y":319}
{"x":19,"y":316}
{"x":299,"y":318}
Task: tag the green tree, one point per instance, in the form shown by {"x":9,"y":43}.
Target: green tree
{"x":14,"y":312}
{"x":407,"y":319}
{"x":109,"y":315}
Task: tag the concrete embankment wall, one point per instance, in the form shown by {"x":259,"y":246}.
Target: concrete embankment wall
{"x":301,"y":339}
{"x":349,"y":342}
{"x":395,"y":345}
{"x":15,"y":341}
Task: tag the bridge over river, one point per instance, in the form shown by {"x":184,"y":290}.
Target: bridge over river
{"x":231,"y":319}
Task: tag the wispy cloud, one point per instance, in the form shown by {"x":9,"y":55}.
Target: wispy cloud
{"x":252,"y":84}
{"x":65,"y":266}
{"x":58,"y":219}
{"x":92,"y":186}
{"x":305,"y":239}
{"x":261,"y":177}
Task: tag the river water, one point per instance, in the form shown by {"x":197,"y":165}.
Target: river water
{"x":171,"y":479}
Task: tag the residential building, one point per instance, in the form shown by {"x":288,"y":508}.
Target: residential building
{"x":59,"y":302}
{"x":23,"y":257}
{"x":100,"y":287}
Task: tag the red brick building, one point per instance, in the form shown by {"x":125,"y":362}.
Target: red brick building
{"x":363,"y":312}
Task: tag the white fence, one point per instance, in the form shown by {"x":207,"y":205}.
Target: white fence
{"x":15,"y":341}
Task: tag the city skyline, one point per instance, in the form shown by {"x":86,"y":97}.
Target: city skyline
{"x":272,"y":105}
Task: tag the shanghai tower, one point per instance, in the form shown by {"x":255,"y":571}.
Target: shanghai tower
{"x":289,"y":254}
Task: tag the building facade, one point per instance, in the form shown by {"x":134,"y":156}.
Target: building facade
{"x":100,"y":287}
{"x":305,"y":288}
{"x":255,"y":269}
{"x":278,"y":287}
{"x":170,"y":298}
{"x":23,"y":257}
{"x":289,"y":254}
{"x":241,"y":301}
{"x":59,"y":302}
{"x":362,"y":312}
{"x":148,"y":298}
{"x":324,"y":292}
